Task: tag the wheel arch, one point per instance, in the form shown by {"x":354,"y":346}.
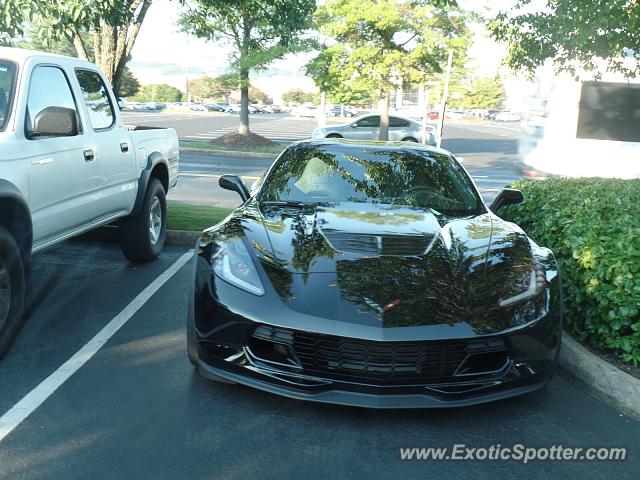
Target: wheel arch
{"x":15,"y":216}
{"x":156,"y":168}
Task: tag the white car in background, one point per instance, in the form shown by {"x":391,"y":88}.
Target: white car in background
{"x":308,"y":111}
{"x":507,"y":117}
{"x":367,"y":127}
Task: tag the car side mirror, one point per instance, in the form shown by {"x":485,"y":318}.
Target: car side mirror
{"x":55,"y":122}
{"x":354,"y":125}
{"x":508,"y":196}
{"x":235,"y":184}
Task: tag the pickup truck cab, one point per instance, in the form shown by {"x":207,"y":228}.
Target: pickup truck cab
{"x":68,"y":164}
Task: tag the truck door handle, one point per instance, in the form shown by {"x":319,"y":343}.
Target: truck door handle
{"x":124,"y":147}
{"x":89,"y":156}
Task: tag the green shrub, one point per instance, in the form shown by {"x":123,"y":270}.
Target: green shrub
{"x":593,"y":228}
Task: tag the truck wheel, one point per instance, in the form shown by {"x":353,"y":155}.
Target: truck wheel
{"x":12,"y":290}
{"x":143,"y":236}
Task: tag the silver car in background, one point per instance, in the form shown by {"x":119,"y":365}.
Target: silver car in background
{"x":367,"y":127}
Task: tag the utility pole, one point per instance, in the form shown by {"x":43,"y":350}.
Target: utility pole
{"x":445,"y":93}
{"x":322,"y":114}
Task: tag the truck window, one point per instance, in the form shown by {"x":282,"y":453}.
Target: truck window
{"x":7,"y":79}
{"x":609,"y":111}
{"x":96,"y":96}
{"x":48,"y":88}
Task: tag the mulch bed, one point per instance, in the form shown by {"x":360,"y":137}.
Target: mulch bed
{"x":235,"y":140}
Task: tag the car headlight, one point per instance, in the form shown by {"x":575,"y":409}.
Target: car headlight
{"x":526,"y":284}
{"x":232,"y":263}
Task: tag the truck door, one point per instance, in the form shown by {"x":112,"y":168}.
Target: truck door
{"x":111,"y":145}
{"x":62,"y":171}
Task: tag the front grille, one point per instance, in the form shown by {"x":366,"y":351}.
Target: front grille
{"x":385,"y":244}
{"x":348,"y":359}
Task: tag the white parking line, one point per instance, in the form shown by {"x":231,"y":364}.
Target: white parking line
{"x":36,"y":397}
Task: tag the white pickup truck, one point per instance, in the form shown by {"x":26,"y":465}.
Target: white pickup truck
{"x":67,"y":165}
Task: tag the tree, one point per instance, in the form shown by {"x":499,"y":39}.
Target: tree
{"x":485,"y":93}
{"x":113,"y":27}
{"x":219,"y":87}
{"x":257,"y":31}
{"x":297,"y":96}
{"x":573,"y":33}
{"x":257,"y":95}
{"x":378,"y":44}
{"x":129,"y":84}
{"x":159,"y":92}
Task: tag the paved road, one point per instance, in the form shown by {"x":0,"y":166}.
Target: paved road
{"x":490,"y":170}
{"x":489,"y":150}
{"x":137,"y":410}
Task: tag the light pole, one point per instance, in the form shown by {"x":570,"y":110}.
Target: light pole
{"x":443,"y":105}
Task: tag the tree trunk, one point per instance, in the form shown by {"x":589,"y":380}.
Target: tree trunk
{"x":322,"y":114}
{"x":383,"y":109}
{"x":243,"y":128}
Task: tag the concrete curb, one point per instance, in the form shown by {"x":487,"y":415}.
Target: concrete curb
{"x":181,"y":238}
{"x":598,"y":377}
{"x":230,"y":154}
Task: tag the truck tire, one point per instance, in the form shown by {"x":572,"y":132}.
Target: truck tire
{"x":143,"y":236}
{"x":12,"y":290}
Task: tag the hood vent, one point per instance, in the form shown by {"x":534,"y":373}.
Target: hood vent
{"x":382,"y":244}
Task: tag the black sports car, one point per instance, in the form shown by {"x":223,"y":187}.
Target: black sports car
{"x":372,"y":274}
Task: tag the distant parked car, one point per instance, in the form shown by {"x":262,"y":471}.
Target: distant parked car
{"x":233,"y":108}
{"x":305,"y":111}
{"x":198,"y":107}
{"x":216,"y":107}
{"x":367,"y":127}
{"x":338,"y":111}
{"x":455,"y":114}
{"x":507,"y":117}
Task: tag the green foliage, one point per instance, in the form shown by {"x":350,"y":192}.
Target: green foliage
{"x":101,"y":31}
{"x":257,"y":96}
{"x":571,"y":33}
{"x":377,"y":44}
{"x":159,"y":92}
{"x":128,"y":85}
{"x":216,"y":88}
{"x":256,"y":32}
{"x":297,"y":96}
{"x":593,"y":227}
{"x":484,"y":93}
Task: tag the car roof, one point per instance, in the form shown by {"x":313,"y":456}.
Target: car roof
{"x":21,"y":55}
{"x":388,"y":146}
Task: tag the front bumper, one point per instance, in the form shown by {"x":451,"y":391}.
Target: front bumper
{"x":370,"y":397}
{"x":224,"y":332}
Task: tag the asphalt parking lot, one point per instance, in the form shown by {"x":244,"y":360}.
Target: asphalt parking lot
{"x":98,"y":384}
{"x":137,"y":409}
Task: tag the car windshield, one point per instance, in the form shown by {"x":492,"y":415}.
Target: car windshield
{"x":372,"y":174}
{"x":7,"y":81}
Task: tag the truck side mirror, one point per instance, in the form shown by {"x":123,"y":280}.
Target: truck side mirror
{"x":508,"y":196}
{"x":235,"y":184}
{"x":55,"y":122}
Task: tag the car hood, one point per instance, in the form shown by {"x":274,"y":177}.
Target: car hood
{"x":394,"y":266}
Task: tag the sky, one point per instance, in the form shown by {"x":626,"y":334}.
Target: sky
{"x":163,"y":54}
